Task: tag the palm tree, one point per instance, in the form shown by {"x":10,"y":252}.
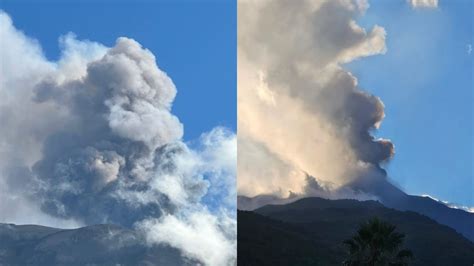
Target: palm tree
{"x":377,"y":244}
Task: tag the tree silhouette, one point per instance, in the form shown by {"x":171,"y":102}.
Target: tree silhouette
{"x":377,"y":244}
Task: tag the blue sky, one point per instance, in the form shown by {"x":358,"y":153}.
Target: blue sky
{"x":425,"y":82}
{"x":194,"y":42}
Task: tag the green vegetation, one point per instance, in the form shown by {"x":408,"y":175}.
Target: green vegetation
{"x":377,"y":244}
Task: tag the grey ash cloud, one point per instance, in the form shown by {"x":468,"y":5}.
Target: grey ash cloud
{"x":91,"y":138}
{"x":298,"y":105}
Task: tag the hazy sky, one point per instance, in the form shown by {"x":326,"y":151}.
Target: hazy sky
{"x":425,"y":80}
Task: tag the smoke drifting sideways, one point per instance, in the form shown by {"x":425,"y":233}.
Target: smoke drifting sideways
{"x":91,"y":139}
{"x":305,"y":126}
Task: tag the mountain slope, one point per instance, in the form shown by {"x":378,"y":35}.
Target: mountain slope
{"x":310,"y":231}
{"x":393,"y":197}
{"x":103,"y":244}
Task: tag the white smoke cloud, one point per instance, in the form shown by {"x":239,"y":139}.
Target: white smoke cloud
{"x":17,"y":209}
{"x":298,"y":109}
{"x":91,"y":138}
{"x":423,"y":3}
{"x":199,"y":234}
{"x":311,"y":188}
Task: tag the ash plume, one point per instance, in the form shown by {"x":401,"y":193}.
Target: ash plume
{"x":91,"y":138}
{"x":306,"y":128}
{"x":298,"y":106}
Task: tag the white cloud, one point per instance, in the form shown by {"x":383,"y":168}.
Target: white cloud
{"x":199,"y":235}
{"x":17,"y":209}
{"x":423,"y":3}
{"x":23,"y":65}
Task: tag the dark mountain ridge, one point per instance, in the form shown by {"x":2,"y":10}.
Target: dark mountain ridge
{"x":310,"y":231}
{"x":103,"y":244}
{"x":392,"y":197}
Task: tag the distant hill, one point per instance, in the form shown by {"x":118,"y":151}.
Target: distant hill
{"x":310,"y":231}
{"x":92,"y":245}
{"x":251,"y":203}
{"x":392,"y":197}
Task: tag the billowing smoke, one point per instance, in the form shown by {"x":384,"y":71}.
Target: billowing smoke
{"x":311,"y":188}
{"x":300,"y":111}
{"x":91,"y":139}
